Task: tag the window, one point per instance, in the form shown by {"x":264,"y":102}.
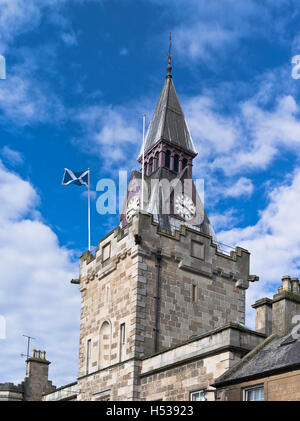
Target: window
{"x":199,"y":395}
{"x":122,"y":341}
{"x":106,"y":252}
{"x":176,"y":161}
{"x":150,"y":166}
{"x":184,"y":163}
{"x":88,"y":356}
{"x":155,"y":162}
{"x":255,"y":393}
{"x":194,"y":293}
{"x":168,"y":159}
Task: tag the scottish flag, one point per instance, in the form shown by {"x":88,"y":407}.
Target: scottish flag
{"x":78,"y":178}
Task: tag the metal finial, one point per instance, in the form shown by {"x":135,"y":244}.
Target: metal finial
{"x":169,"y":68}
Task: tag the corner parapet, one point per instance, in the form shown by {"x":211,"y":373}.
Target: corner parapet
{"x":183,"y":230}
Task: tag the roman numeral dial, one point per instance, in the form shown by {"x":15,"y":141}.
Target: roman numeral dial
{"x":184,"y":207}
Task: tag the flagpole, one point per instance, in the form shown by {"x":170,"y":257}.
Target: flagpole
{"x":89,"y":209}
{"x":143,"y":162}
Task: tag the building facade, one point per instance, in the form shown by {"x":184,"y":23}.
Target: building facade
{"x":162,"y":304}
{"x":271,"y":371}
{"x":158,"y":288}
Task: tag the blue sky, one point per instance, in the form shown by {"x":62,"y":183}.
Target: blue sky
{"x":80,"y":74}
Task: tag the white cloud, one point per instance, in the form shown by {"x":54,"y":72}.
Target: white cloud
{"x":25,"y":99}
{"x":248,"y":139}
{"x":14,"y":17}
{"x":210,"y":129}
{"x":274,"y":241}
{"x":112,"y":132}
{"x":13,"y":157}
{"x":36,"y":296}
{"x":243,"y":187}
{"x":18,"y":197}
{"x":202,"y":40}
{"x":20,"y":16}
{"x":209,"y":31}
{"x":69,"y":38}
{"x":224,"y":220}
{"x":267,"y":131}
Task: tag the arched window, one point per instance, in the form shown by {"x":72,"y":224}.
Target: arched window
{"x":122,"y":341}
{"x":104,"y":349}
{"x":168,"y":159}
{"x":150,"y":166}
{"x":184,"y":163}
{"x":176,"y":161}
{"x":155,"y":166}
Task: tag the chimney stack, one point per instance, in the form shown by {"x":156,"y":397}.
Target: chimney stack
{"x":276,"y":315}
{"x":36,"y":381}
{"x":263,"y":321}
{"x":286,"y":304}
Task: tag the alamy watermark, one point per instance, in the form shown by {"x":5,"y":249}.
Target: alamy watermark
{"x":185,"y":198}
{"x":2,"y":67}
{"x":296,"y":329}
{"x":2,"y":327}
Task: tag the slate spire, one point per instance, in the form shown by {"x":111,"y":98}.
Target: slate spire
{"x":168,"y":122}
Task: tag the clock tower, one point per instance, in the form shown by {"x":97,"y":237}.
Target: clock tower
{"x":170,"y":194}
{"x":159,"y":279}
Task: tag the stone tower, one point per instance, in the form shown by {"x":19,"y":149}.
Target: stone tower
{"x":159,"y":278}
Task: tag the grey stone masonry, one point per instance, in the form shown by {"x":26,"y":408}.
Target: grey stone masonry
{"x":177,"y":372}
{"x":145,"y":291}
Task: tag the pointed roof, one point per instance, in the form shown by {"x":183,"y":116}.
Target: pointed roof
{"x":168,"y":122}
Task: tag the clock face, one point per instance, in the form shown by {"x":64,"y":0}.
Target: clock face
{"x":132,"y":206}
{"x":184,"y":207}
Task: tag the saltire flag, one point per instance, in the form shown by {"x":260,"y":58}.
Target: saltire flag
{"x":78,"y":178}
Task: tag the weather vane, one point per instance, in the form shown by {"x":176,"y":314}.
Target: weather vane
{"x":170,"y":46}
{"x":169,"y":68}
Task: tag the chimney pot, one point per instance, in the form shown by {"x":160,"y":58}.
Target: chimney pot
{"x":286,"y":304}
{"x":286,"y":283}
{"x":295,"y":285}
{"x":43,"y":355}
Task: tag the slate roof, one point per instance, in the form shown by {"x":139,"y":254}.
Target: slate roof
{"x":274,"y":354}
{"x":168,"y":122}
